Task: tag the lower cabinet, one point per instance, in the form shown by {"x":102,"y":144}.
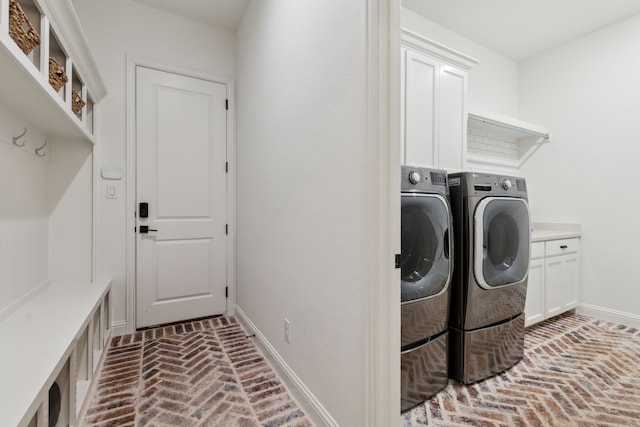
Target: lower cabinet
{"x":535,"y":306}
{"x":554,"y":277}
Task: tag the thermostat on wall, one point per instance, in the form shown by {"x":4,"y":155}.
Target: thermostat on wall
{"x":111,"y":172}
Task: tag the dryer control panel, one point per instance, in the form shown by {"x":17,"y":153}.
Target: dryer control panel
{"x":422,"y":179}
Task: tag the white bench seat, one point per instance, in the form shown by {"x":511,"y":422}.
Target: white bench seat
{"x":38,"y":339}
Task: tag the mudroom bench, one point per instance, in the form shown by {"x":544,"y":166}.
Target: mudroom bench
{"x":51,"y":346}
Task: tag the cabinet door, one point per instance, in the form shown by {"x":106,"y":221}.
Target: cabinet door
{"x":562,"y":280}
{"x":452,"y":119}
{"x":534,"y":305}
{"x":419,"y":126}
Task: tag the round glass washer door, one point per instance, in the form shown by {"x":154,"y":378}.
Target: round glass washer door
{"x":502,"y":241}
{"x":425,"y":266}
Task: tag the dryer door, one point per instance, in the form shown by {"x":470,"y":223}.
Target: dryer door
{"x":425,"y":263}
{"x":502,"y":239}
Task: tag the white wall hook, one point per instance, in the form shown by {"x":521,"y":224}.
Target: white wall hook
{"x":16,"y":138}
{"x":38,"y":150}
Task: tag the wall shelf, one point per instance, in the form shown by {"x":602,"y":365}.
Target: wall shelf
{"x":25,"y":87}
{"x":529,"y":137}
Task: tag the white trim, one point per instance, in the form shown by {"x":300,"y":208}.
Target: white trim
{"x":303,"y":390}
{"x":603,"y":313}
{"x":381,"y":227}
{"x":130,"y":294}
{"x":6,"y":312}
{"x":432,"y":48}
{"x":119,"y":328}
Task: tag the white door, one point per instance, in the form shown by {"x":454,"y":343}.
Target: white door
{"x":181,"y":136}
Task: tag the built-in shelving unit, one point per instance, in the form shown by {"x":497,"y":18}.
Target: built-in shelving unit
{"x":55,"y":324}
{"x":528,"y":137}
{"x":25,"y":77}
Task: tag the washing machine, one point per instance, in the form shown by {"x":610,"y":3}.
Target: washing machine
{"x":492,"y":244}
{"x":426,"y":270}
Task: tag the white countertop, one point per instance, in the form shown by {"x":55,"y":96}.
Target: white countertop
{"x":550,"y":231}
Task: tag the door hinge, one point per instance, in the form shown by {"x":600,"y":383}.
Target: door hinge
{"x":226,"y":104}
{"x":226,"y":292}
{"x":397,"y":260}
{"x":226,"y":167}
{"x":226,"y":229}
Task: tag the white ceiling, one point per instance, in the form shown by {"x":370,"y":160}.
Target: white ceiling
{"x":221,"y":13}
{"x":522,"y":28}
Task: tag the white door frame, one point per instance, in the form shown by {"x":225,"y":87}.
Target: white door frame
{"x":382,"y":363}
{"x":132,"y":63}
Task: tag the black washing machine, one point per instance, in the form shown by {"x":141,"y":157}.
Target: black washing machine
{"x":426,"y":271}
{"x":492,"y":245}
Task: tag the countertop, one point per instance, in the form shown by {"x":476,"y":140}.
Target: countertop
{"x":551,"y":231}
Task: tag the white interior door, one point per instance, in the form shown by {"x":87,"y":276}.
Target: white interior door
{"x":181,"y":135}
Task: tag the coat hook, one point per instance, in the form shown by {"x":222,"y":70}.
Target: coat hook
{"x":38,"y":150}
{"x":16,"y":138}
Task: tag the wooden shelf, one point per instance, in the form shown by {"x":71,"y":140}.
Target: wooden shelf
{"x":24,"y":86}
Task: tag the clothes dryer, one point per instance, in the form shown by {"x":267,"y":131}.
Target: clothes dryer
{"x":426,"y":269}
{"x":492,"y":244}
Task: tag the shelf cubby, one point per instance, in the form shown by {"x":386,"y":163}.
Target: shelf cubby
{"x":66,"y":416}
{"x":77,"y":94}
{"x":34,"y":16}
{"x":56,"y":53}
{"x":25,"y":83}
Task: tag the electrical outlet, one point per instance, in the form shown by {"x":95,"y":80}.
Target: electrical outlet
{"x":287,"y":331}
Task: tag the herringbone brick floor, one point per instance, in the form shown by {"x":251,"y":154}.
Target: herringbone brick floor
{"x":202,"y":373}
{"x":577,"y":371}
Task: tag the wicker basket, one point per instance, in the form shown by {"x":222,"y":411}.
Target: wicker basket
{"x":27,"y":40}
{"x":76,"y":102}
{"x":57,"y":77}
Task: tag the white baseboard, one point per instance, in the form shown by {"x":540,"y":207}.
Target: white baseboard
{"x":119,"y":328}
{"x":303,"y":391}
{"x":602,"y":313}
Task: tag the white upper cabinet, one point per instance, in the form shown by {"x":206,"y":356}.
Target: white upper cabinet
{"x":434,"y":97}
{"x":51,"y":78}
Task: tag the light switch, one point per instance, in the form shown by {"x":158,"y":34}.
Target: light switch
{"x":112,"y":192}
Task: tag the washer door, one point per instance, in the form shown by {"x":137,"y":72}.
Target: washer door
{"x":502,"y":240}
{"x":424,"y":263}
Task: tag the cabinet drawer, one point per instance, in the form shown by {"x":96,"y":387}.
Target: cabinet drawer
{"x":537,"y":250}
{"x":561,"y":247}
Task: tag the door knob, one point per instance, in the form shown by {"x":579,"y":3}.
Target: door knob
{"x":144,"y":229}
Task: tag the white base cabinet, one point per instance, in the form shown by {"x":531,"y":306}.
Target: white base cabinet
{"x":554,"y":278}
{"x":535,"y":304}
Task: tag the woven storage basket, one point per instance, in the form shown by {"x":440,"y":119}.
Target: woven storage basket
{"x":76,"y":102}
{"x":26,"y":40}
{"x":57,"y":77}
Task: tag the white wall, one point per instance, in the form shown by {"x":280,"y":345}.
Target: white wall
{"x":588,"y":94}
{"x":493,"y":82}
{"x":115,"y":29}
{"x":300,"y":209}
{"x":24,"y":212}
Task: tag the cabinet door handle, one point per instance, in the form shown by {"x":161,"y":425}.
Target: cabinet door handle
{"x":563,"y":246}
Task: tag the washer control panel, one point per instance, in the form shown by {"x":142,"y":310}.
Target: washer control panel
{"x":496,"y":184}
